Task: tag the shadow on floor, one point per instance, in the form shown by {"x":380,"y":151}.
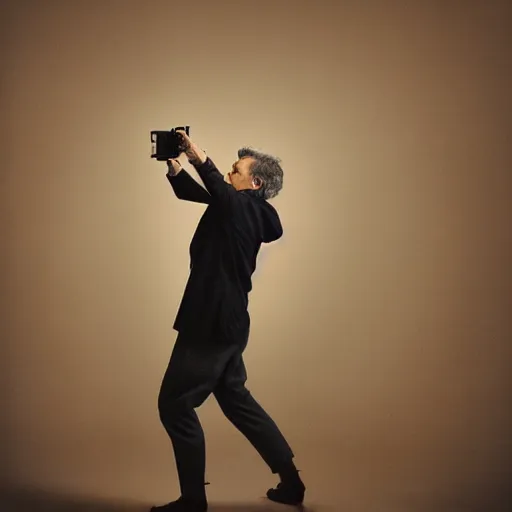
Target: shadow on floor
{"x":40,"y":501}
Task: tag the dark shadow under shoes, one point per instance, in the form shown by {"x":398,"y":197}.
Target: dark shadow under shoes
{"x":288,"y":493}
{"x":183,"y":505}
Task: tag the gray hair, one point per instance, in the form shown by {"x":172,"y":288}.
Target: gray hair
{"x":267,"y":168}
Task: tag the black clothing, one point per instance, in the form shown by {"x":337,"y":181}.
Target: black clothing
{"x":193,"y":373}
{"x":223,"y":254}
{"x":213,"y":327}
{"x":289,"y":493}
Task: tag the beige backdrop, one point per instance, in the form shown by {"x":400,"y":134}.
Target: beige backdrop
{"x":380,"y":321}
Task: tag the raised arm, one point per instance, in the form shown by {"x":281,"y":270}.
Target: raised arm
{"x":219,"y":190}
{"x":214,"y":181}
{"x":185,"y":187}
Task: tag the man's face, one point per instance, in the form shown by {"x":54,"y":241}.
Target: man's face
{"x":240,"y":176}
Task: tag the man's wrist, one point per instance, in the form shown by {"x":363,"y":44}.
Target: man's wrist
{"x":196,"y":156}
{"x":171,"y":171}
{"x":196,"y":161}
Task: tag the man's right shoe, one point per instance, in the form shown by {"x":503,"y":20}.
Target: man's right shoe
{"x":288,"y":493}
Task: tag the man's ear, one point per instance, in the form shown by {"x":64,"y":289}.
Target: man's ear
{"x":256,"y":182}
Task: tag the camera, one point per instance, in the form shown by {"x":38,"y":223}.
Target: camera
{"x":167,"y":144}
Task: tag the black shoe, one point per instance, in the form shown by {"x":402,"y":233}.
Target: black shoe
{"x":183,"y":505}
{"x":288,"y":493}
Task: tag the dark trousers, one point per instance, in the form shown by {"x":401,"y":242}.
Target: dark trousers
{"x":195,"y":370}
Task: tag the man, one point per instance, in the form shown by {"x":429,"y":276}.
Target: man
{"x":213,"y":322}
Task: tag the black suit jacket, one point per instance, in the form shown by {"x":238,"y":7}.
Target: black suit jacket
{"x":223,"y":254}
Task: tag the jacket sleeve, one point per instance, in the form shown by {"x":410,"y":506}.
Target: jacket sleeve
{"x":185,"y":187}
{"x":220,"y":191}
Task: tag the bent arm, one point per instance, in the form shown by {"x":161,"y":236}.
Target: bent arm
{"x":221,"y":192}
{"x":185,"y":187}
{"x":213,"y":180}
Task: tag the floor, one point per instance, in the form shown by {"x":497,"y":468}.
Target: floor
{"x":33,"y":500}
{"x":29,"y":501}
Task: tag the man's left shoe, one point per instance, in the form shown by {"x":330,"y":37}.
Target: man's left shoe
{"x":289,"y":493}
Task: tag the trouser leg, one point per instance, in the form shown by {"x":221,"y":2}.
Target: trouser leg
{"x":189,"y":379}
{"x":250,"y":418}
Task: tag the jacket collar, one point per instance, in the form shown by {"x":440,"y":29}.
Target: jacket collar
{"x":250,"y":192}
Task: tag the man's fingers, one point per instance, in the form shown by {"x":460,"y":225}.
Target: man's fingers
{"x":185,"y":139}
{"x":183,"y":135}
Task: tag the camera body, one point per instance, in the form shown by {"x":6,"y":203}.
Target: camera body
{"x":165,"y":144}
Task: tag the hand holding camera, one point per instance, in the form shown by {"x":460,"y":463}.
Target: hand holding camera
{"x":195,"y":155}
{"x":169,"y":145}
